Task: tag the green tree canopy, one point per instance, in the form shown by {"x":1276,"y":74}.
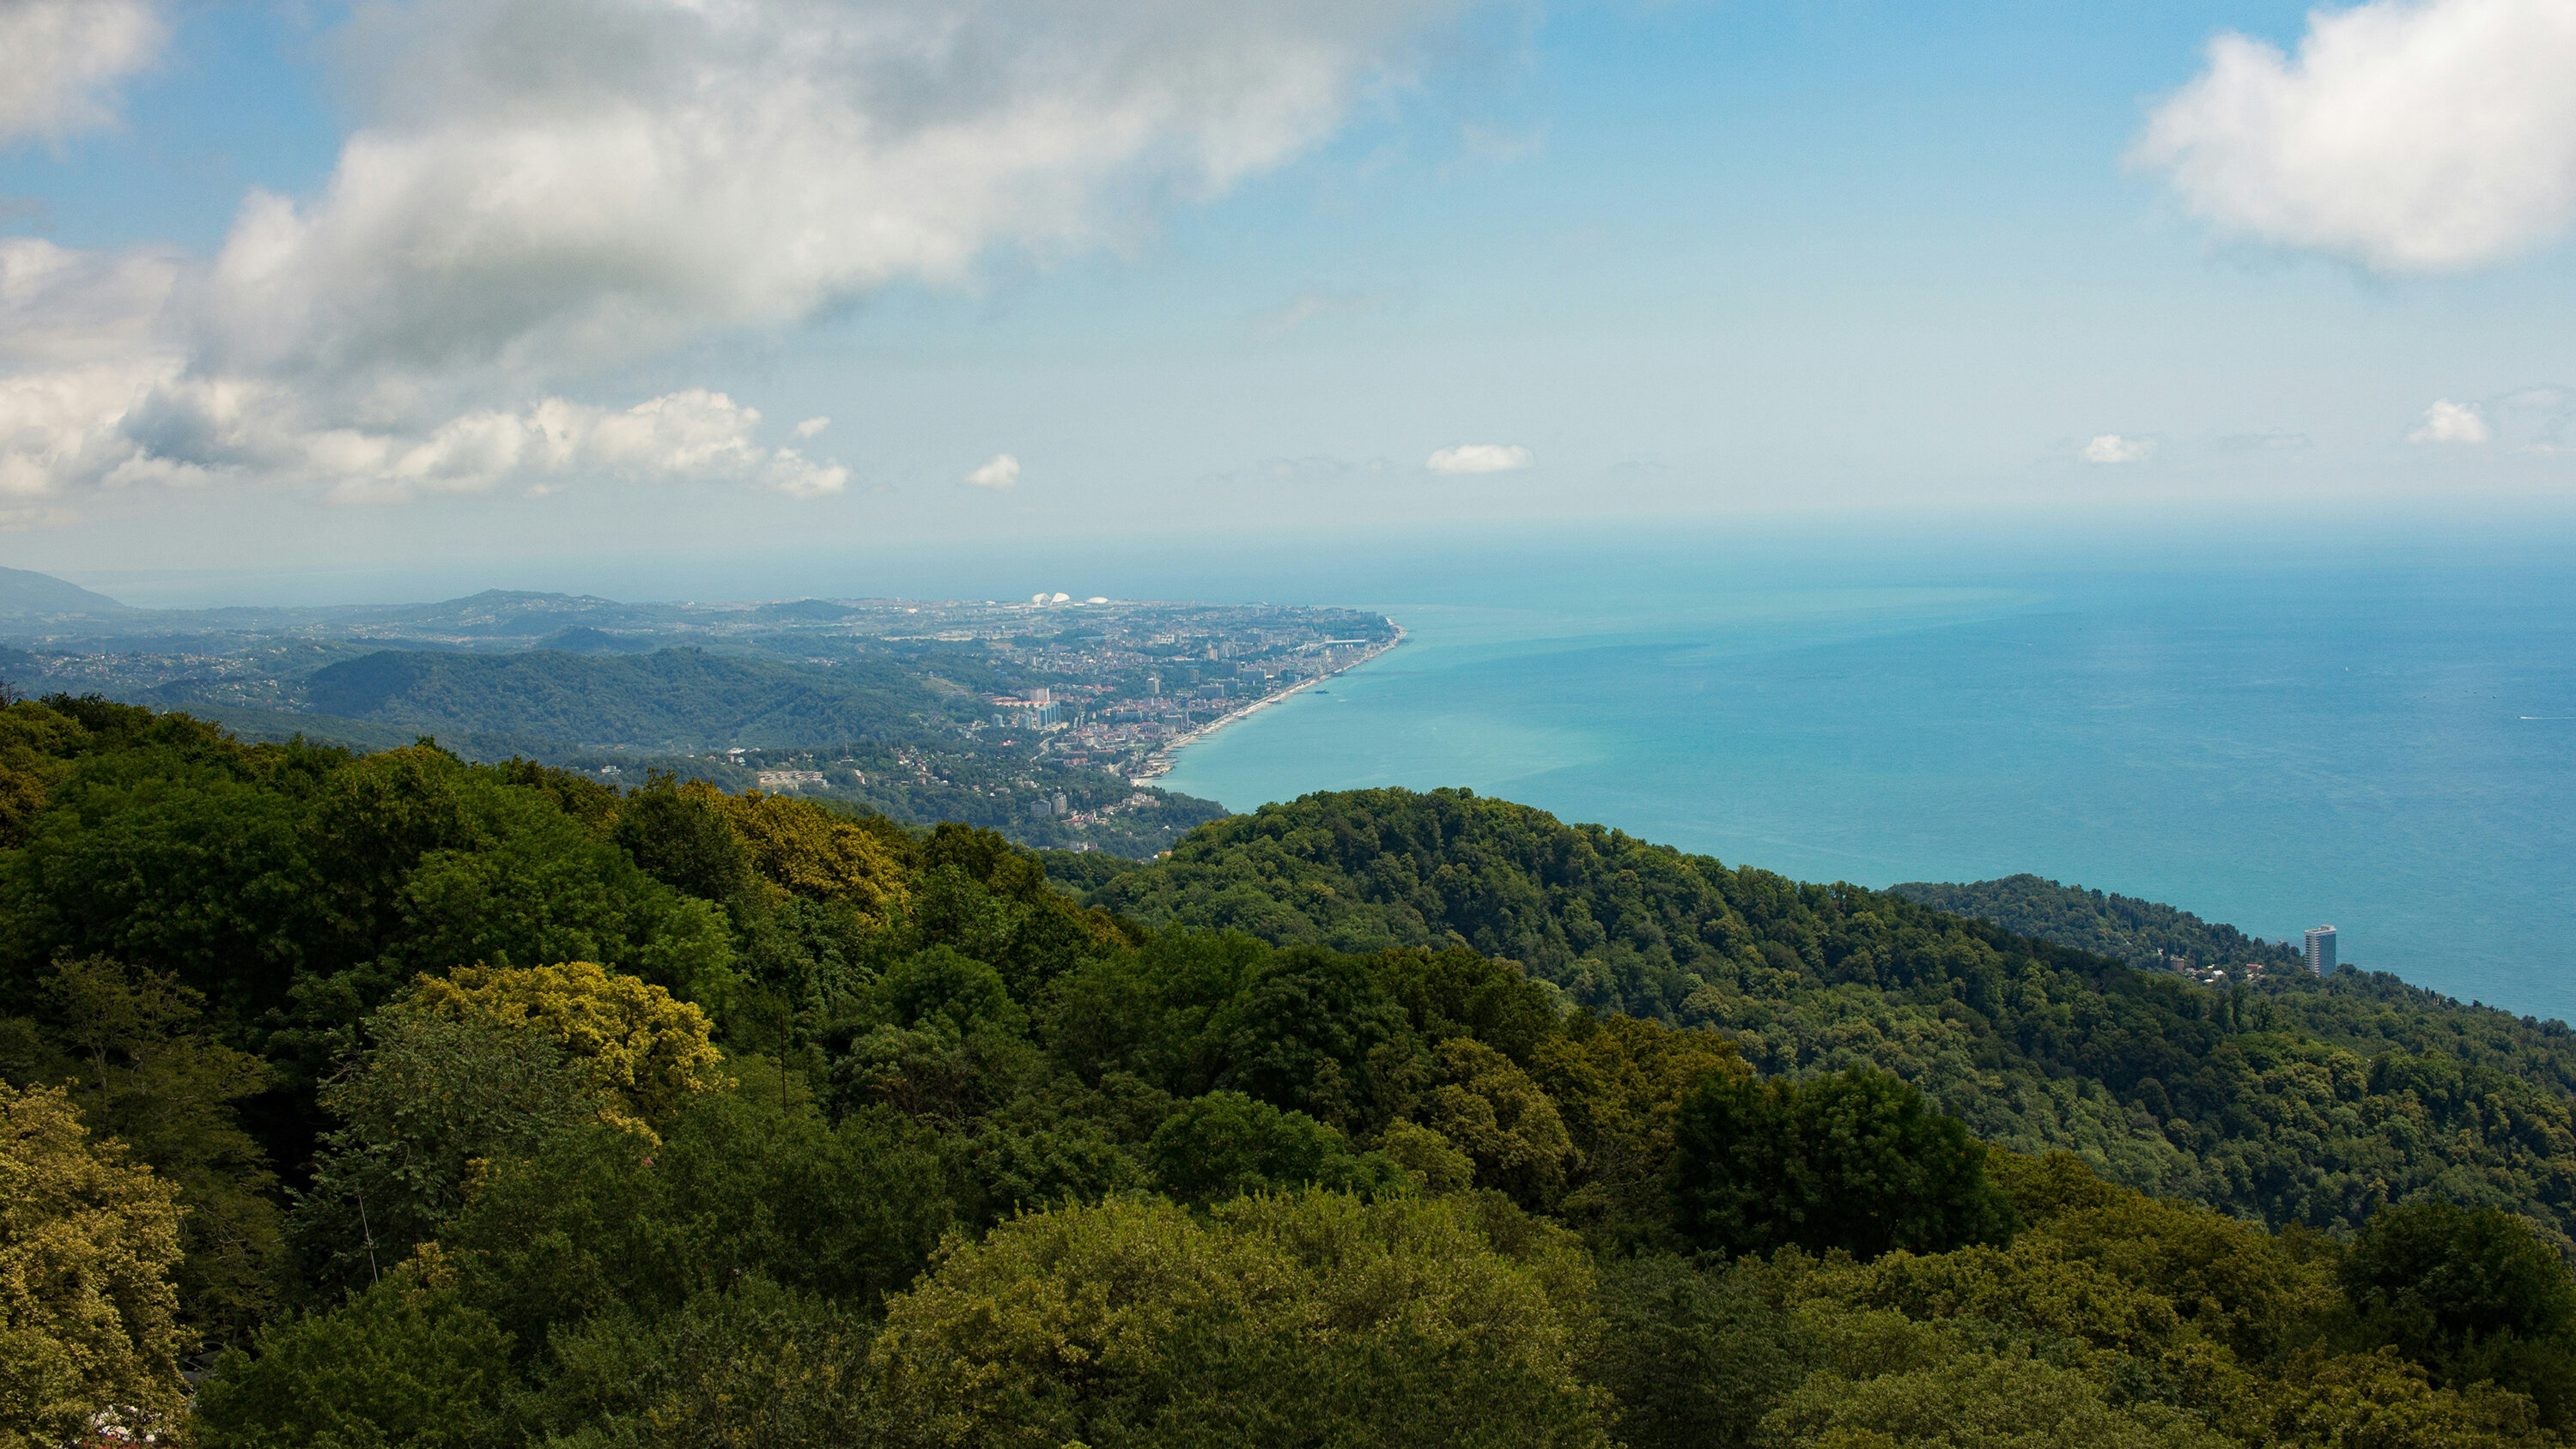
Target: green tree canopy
{"x":1225,"y":1144}
{"x":1857,"y":1162}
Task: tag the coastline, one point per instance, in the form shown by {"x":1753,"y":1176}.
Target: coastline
{"x":1160,"y":762}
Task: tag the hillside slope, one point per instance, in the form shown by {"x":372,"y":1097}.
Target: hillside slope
{"x":2300,"y":1101}
{"x":2142,"y":933}
{"x":24,"y":591}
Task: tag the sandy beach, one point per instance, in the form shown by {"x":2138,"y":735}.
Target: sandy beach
{"x":1160,"y":762}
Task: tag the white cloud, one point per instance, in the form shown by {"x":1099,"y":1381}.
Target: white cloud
{"x":551,"y":184}
{"x":2407,"y":135}
{"x":63,"y":307}
{"x":812,"y":426}
{"x":64,"y":58}
{"x":2450,"y":422}
{"x":2113,"y":448}
{"x":1000,"y":472}
{"x":544,"y":192}
{"x":112,"y":427}
{"x":1480,"y":458}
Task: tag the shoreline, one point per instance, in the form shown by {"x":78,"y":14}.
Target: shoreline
{"x":1160,"y":762}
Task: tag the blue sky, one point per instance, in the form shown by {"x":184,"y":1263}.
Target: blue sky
{"x":1832,"y":261}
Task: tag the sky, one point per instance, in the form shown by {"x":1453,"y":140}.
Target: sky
{"x":302,"y":288}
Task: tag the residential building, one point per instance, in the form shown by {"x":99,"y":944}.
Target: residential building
{"x":2321,"y":950}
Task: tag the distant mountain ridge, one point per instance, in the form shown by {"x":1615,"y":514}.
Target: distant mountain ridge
{"x":24,"y":591}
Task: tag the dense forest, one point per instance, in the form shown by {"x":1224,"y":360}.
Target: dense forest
{"x":392,"y":1099}
{"x":2291,"y":1101}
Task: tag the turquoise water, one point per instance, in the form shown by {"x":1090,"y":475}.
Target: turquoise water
{"x":2386,"y":749}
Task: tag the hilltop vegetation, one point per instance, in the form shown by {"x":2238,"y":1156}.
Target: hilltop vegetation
{"x":417,"y":1102}
{"x":2298,"y":1102}
{"x":2124,"y":928}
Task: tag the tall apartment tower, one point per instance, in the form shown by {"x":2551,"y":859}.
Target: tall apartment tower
{"x":2321,"y":958}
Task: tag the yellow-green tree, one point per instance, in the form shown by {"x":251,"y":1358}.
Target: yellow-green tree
{"x":1979,"y":1401}
{"x":1491,"y":1110}
{"x":1618,"y":1084}
{"x":801,"y":849}
{"x":638,"y":1048}
{"x":1307,"y":1318}
{"x":2235,"y":1283}
{"x":88,"y":1239}
{"x":2381,"y":1401}
{"x":33,"y":743}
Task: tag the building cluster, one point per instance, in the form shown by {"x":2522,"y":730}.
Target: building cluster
{"x":2317,"y":953}
{"x":1038,"y":711}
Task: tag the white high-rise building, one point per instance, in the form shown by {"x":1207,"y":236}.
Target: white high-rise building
{"x":2321,"y":950}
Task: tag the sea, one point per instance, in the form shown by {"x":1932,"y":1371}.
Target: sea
{"x":2373,"y":739}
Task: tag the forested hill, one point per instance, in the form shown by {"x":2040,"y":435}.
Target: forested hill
{"x":2294,"y":1100}
{"x":2142,"y":933}
{"x":396,"y":1100}
{"x":678,"y":700}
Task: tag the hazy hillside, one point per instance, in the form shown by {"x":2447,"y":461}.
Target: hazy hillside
{"x":672,"y":699}
{"x":25,"y":592}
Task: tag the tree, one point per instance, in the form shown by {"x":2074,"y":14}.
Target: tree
{"x":2470,"y":1293}
{"x":1694,"y":1358}
{"x":430,"y":1105}
{"x":638,"y":1050}
{"x":1225,"y":1145}
{"x":35,"y":743}
{"x":684,"y":839}
{"x":2370,"y":1400}
{"x":2233,"y":1282}
{"x":1458,"y":992}
{"x":1304,"y":1034}
{"x":543,"y":890}
{"x":1618,"y":1084}
{"x":88,"y":1239}
{"x":801,"y":849}
{"x":1311,"y":1318}
{"x":1978,"y":1401}
{"x":940,"y":983}
{"x":152,"y":1077}
{"x":751,"y":1365}
{"x":406,"y":1362}
{"x":741,"y":1183}
{"x":1494,"y":1113}
{"x":1857,"y":1162}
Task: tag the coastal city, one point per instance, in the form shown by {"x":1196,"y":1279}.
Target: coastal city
{"x":1048,"y":719}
